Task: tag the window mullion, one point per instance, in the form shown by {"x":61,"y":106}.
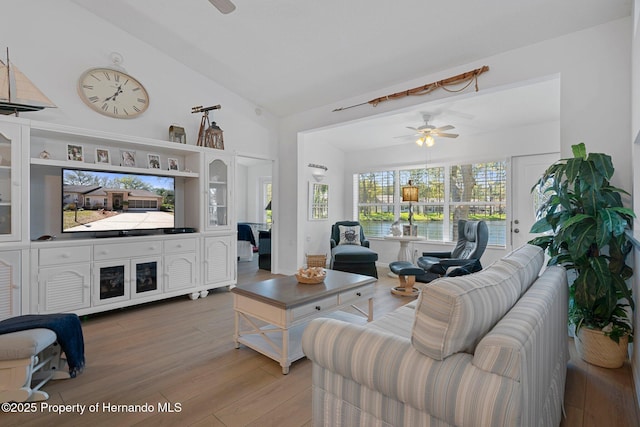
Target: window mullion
{"x":447,"y":200}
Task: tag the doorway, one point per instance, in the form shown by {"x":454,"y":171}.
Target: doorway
{"x":254,"y":210}
{"x":526,"y":172}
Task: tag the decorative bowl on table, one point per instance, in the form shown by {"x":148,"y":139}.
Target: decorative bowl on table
{"x":311,"y":275}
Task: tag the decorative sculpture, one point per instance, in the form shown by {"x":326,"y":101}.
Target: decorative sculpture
{"x":210,"y":134}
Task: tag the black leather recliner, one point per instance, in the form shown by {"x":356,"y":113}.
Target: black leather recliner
{"x":472,"y":241}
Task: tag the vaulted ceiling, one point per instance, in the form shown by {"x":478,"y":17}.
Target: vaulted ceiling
{"x":292,"y":55}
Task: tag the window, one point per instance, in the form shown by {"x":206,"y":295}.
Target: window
{"x":376,"y":209}
{"x":446,"y":194}
{"x":267,"y":217}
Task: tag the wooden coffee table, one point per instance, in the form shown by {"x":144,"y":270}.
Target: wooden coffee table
{"x":271,"y":315}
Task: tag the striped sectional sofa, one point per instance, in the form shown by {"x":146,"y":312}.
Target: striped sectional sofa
{"x":486,"y":349}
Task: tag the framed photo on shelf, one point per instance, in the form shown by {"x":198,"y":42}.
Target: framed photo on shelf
{"x":128,"y":158}
{"x":75,"y":152}
{"x":318,"y":201}
{"x":102,"y":156}
{"x":153,"y":161}
{"x":173,"y":164}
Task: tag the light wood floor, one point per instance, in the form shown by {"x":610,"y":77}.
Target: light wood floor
{"x":182,"y":352}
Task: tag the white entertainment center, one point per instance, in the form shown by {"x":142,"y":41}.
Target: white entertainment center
{"x":91,"y":272}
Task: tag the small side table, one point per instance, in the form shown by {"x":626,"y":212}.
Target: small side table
{"x":404,"y":254}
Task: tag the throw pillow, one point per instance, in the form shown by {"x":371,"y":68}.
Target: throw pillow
{"x":454,"y":313}
{"x":528,"y":259}
{"x":349,"y":235}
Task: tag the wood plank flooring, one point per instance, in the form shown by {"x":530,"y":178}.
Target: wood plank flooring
{"x":179,"y":355}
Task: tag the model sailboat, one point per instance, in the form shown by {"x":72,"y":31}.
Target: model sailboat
{"x":18,"y":93}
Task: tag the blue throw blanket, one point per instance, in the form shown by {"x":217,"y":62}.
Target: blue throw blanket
{"x":246,"y":233}
{"x":67,"y":328}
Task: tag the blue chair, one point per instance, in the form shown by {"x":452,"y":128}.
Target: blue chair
{"x":464,"y":259}
{"x":472,"y":241}
{"x":352,"y":253}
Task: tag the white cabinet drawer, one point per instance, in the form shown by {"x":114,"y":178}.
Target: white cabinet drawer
{"x":64,"y":255}
{"x":314,"y":307}
{"x":179,"y":245}
{"x":353,"y":295}
{"x":127,"y":250}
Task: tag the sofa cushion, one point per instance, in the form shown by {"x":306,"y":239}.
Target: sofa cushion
{"x":349,"y":235}
{"x":454,"y":313}
{"x":528,"y":259}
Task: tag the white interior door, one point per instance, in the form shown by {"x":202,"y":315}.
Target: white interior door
{"x":526,"y":170}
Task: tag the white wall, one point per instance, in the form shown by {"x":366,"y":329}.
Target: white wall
{"x":53,"y":43}
{"x":242,"y":180}
{"x":594,"y":108}
{"x":635,"y":149}
{"x":318,"y":232}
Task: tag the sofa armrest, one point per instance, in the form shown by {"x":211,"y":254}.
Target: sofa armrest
{"x":333,"y":243}
{"x":437,"y":254}
{"x":452,"y":389}
{"x":364,"y":243}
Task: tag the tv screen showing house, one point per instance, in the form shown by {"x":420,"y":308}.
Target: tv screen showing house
{"x":96,"y":201}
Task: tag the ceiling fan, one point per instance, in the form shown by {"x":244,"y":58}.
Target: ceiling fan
{"x":427,"y":132}
{"x":224,"y":6}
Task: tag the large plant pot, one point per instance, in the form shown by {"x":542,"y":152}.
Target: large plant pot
{"x":596,"y":348}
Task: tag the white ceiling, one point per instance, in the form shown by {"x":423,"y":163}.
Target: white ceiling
{"x":484,"y":112}
{"x":292,"y":55}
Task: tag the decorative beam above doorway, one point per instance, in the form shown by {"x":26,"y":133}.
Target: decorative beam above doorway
{"x":468,"y":77}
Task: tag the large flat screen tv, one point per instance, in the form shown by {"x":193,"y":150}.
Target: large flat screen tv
{"x":103,"y":202}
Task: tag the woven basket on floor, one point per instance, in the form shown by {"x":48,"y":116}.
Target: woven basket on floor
{"x":598,"y":349}
{"x":316,"y":260}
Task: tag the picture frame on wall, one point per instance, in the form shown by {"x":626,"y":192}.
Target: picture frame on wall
{"x":128,"y":158}
{"x":153,"y":161}
{"x":173,"y":164}
{"x":75,"y":153}
{"x":102,"y":156}
{"x":318,"y":201}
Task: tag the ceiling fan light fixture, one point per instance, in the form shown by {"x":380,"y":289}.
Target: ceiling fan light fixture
{"x":429,"y":141}
{"x":420,"y":141}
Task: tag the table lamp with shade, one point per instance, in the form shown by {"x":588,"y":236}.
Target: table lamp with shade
{"x":410,"y":194}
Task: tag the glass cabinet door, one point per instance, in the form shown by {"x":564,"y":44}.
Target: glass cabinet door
{"x":218,"y":194}
{"x":9,"y":176}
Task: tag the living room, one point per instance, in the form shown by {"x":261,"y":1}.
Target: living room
{"x":592,"y":66}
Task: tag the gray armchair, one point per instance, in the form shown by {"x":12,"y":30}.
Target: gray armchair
{"x":353,"y":254}
{"x":472,"y":241}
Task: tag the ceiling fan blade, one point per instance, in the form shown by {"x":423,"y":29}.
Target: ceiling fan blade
{"x":224,"y":6}
{"x":441,"y":128}
{"x":446,"y":135}
{"x":416,"y":129}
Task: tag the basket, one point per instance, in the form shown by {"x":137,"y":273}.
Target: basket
{"x":311,"y":277}
{"x":310,"y":280}
{"x":316,"y":260}
{"x":594,"y":347}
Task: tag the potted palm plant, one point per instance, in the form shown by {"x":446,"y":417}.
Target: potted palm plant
{"x":584,"y":222}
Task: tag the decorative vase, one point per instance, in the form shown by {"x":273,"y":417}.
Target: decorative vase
{"x":596,"y":348}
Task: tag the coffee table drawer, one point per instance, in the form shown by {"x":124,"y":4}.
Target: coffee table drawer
{"x":353,"y":295}
{"x":314,"y":307}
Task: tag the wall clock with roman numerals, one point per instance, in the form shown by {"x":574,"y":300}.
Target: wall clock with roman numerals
{"x":113,"y":93}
